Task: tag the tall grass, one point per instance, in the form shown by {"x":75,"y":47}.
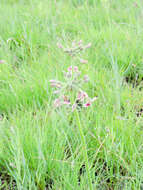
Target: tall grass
{"x":43,"y":149}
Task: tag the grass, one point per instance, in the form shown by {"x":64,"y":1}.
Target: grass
{"x":43,"y":149}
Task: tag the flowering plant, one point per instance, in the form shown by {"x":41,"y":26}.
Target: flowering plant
{"x":70,"y":91}
{"x":71,"y":94}
{"x":75,"y":49}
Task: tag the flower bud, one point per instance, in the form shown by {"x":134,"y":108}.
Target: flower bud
{"x":87,"y":104}
{"x":57,"y":103}
{"x":83,"y":61}
{"x":86,"y":78}
{"x":59,"y":45}
{"x":88,"y":46}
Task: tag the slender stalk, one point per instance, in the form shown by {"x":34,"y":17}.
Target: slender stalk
{"x":84,"y":147}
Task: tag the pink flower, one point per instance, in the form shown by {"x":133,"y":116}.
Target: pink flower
{"x":83,"y":61}
{"x":56,"y":92}
{"x":86,"y":78}
{"x":70,"y":68}
{"x":59,"y":45}
{"x":82,"y":95}
{"x":80,"y":42}
{"x":87,"y":104}
{"x":76,"y":69}
{"x":55,"y":83}
{"x":66,"y":100}
{"x":79,"y":96}
{"x":57,"y":103}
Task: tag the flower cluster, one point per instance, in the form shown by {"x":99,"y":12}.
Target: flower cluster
{"x":76,"y":48}
{"x":70,"y":91}
{"x":83,"y":100}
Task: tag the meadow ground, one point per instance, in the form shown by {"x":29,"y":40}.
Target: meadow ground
{"x":98,"y":147}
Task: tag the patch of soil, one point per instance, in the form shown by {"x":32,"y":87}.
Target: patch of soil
{"x":49,"y":184}
{"x":139,"y":113}
{"x":103,"y":171}
{"x":2,"y":116}
{"x":7,"y":183}
{"x":67,"y":152}
{"x":81,"y":172}
{"x":135,"y":81}
{"x":122,"y":111}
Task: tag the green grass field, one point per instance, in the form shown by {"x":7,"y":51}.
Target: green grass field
{"x":95,"y":148}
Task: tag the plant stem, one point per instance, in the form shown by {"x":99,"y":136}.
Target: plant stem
{"x":84,"y":147}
